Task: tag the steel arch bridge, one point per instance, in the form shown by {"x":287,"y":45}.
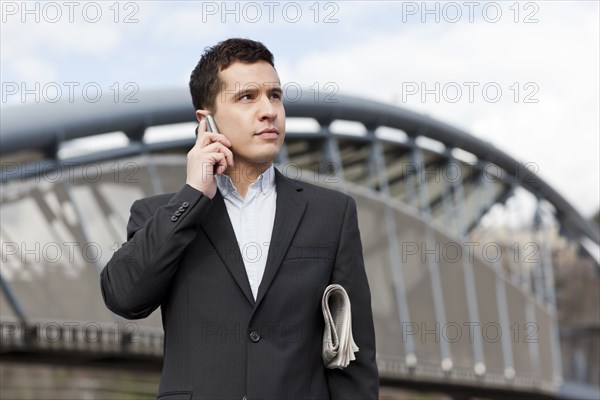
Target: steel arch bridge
{"x":469,"y":253}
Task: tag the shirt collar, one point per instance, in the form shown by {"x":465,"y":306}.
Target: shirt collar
{"x":266,"y":182}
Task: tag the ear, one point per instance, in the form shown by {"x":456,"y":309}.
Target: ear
{"x":201,"y":114}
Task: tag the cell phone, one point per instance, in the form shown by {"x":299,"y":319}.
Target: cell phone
{"x":212,"y":127}
{"x":210,"y":124}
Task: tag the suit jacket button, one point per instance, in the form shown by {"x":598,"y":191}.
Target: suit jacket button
{"x":181,"y":209}
{"x":177,"y":213}
{"x":185,"y":204}
{"x":174,"y":218}
{"x":254,"y":336}
{"x":245,"y":398}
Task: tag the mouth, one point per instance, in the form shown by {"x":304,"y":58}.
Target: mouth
{"x":268,"y":133}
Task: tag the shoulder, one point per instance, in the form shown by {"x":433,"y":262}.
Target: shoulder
{"x":316,"y":193}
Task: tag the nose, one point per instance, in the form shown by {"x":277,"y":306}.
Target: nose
{"x":268,"y":110}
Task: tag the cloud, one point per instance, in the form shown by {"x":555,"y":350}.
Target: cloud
{"x":376,"y":50}
{"x":547,"y":73}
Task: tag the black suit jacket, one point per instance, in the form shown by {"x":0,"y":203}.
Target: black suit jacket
{"x":220,"y":343}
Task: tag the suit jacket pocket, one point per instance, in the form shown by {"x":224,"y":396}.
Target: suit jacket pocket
{"x":175,"y":396}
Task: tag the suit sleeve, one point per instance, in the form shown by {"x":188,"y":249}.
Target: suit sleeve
{"x":360,"y":380}
{"x":138,"y":275}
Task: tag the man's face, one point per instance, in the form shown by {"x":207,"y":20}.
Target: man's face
{"x":250,"y":113}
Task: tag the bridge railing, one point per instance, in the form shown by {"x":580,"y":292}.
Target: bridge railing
{"x":469,"y":253}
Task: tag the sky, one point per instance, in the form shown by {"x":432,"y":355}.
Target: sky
{"x":521,"y":75}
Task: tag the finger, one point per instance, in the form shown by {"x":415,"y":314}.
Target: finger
{"x":200,"y":132}
{"x":229,"y":157}
{"x":218,"y":148}
{"x":211,"y":137}
{"x":220,"y":162}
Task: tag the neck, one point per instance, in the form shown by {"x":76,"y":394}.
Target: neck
{"x":243,"y":174}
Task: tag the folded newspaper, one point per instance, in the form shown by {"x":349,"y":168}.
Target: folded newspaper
{"x":338,"y":344}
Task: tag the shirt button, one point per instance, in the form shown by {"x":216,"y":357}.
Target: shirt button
{"x":254,"y":336}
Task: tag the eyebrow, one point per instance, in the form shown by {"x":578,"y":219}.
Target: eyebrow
{"x":273,"y":89}
{"x":276,"y":90}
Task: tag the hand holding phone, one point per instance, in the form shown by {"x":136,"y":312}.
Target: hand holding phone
{"x":213,"y":148}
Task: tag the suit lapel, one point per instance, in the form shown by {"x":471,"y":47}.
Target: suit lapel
{"x":289,"y":211}
{"x":217,"y":226}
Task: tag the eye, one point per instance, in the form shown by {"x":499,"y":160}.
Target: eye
{"x":246,"y":97}
{"x":276,"y":96}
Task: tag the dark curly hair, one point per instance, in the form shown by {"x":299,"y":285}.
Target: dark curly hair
{"x":205,"y":83}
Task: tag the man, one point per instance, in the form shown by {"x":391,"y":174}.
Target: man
{"x":239,"y":258}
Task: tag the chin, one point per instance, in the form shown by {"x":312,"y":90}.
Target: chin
{"x":267,"y":156}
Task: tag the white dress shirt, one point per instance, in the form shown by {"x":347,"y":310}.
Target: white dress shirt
{"x":252,"y":219}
